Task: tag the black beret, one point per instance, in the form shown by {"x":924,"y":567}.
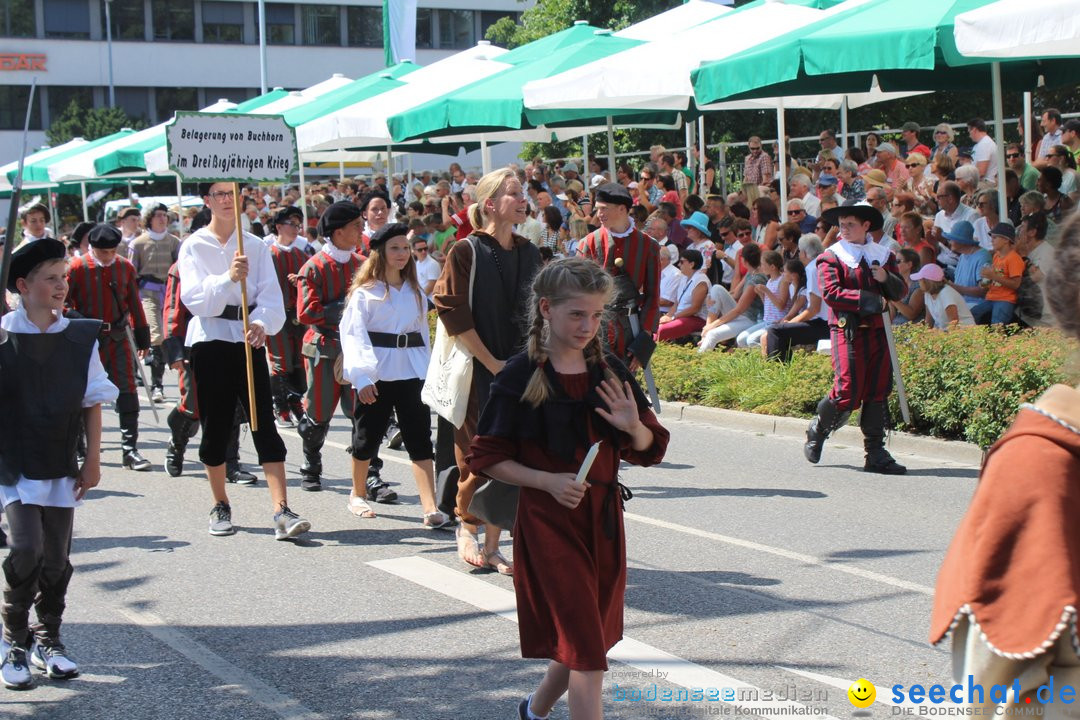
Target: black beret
{"x":80,"y":231}
{"x":287,"y":212}
{"x":105,"y":236}
{"x":31,"y":254}
{"x":336,"y":217}
{"x":385,"y":233}
{"x":614,"y":194}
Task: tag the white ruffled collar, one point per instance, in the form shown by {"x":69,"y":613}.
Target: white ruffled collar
{"x":623,"y":234}
{"x":156,"y":235}
{"x":341,"y":256}
{"x":851,"y":254}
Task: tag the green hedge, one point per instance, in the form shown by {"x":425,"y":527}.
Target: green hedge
{"x":966,"y":384}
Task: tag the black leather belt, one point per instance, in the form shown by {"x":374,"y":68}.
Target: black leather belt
{"x":399,"y":341}
{"x":235,"y":312}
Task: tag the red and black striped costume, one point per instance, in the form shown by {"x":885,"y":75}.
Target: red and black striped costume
{"x":176,"y":317}
{"x":324,"y":281}
{"x":860,"y":354}
{"x":284,"y":348}
{"x":641,"y":266}
{"x":91,"y":294}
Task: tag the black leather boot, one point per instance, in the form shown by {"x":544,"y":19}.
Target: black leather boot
{"x":157,"y":374}
{"x":129,"y":439}
{"x":873,"y":420}
{"x":183,"y":429}
{"x":827,"y":421}
{"x":314,"y":435}
{"x":280,"y":394}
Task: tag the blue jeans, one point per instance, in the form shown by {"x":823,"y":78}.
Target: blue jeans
{"x":993,"y":312}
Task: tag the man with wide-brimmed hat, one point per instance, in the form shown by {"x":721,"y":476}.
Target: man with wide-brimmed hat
{"x":857,"y":276}
{"x":632,"y":258}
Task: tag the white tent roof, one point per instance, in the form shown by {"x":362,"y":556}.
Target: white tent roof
{"x":5,"y":185}
{"x":1020,"y":29}
{"x":680,"y":17}
{"x":364,"y":123}
{"x":157,"y":160}
{"x":81,"y":166}
{"x":635,"y":78}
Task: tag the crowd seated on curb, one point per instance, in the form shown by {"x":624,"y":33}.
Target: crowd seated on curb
{"x":738,"y":270}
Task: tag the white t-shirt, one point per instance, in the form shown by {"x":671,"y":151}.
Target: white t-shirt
{"x":814,"y":287}
{"x":986,"y":150}
{"x":982,"y":234}
{"x":427,"y":270}
{"x":686,"y":294}
{"x":948,"y":297}
{"x":732,"y":251}
{"x":945,"y":222}
{"x":670,"y":280}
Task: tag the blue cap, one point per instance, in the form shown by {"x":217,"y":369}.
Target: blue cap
{"x":962,"y":232}
{"x":825,"y":179}
{"x":699,"y":221}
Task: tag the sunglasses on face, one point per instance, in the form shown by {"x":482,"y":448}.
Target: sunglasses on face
{"x":420,"y":249}
{"x":914,"y":165}
{"x":1012,"y":156}
{"x":795,"y":212}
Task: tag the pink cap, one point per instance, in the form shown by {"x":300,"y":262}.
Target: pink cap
{"x":932,"y":272}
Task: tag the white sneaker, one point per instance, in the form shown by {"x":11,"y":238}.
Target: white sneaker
{"x":54,"y":660}
{"x":288,"y":524}
{"x":14,"y":670}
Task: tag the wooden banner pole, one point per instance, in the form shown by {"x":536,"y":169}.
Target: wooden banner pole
{"x":253,"y":419}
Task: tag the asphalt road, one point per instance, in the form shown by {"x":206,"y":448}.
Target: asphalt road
{"x":748,"y":568}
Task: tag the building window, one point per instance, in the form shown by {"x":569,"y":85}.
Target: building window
{"x":169,"y":100}
{"x":456,"y":29}
{"x":234,"y":95}
{"x":365,"y":26}
{"x":61,"y":97}
{"x":223,"y":22}
{"x":425,"y":17}
{"x":17,"y":18}
{"x":134,"y":101}
{"x":280,"y":24}
{"x":13,"y":99}
{"x":321,"y":24}
{"x":67,"y":19}
{"x":128,"y":19}
{"x":174,"y":19}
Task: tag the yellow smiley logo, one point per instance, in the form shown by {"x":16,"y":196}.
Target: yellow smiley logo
{"x":862,"y":693}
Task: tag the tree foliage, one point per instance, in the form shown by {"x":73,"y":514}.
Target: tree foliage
{"x":92,"y":124}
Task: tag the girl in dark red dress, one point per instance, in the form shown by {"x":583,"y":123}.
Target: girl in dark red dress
{"x":547,"y":407}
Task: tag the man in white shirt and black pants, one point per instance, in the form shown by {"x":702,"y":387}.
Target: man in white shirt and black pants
{"x":211,"y":270}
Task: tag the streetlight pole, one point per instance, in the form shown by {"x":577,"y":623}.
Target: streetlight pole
{"x":108,"y":40}
{"x":262,"y":46}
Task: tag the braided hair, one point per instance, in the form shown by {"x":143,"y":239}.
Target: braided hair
{"x":560,"y":281}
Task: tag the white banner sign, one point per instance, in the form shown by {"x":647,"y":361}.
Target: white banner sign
{"x":228,"y":147}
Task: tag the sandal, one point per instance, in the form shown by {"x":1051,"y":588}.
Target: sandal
{"x":495,"y":561}
{"x":468,"y":547}
{"x":359,"y":507}
{"x":435,"y":520}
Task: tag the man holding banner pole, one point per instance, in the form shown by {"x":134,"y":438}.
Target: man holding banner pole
{"x":230,"y":286}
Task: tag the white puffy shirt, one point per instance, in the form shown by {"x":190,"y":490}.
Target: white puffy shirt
{"x":372,"y":309}
{"x":205,"y":287}
{"x":59,"y":492}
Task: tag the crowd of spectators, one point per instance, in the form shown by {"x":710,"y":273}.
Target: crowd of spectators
{"x":738,"y":270}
